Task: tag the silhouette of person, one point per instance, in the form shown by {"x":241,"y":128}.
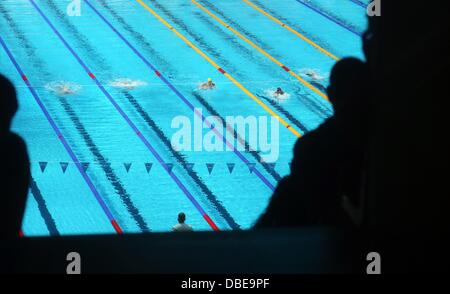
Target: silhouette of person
{"x":311,"y":193}
{"x":15,"y":166}
{"x":181,"y":226}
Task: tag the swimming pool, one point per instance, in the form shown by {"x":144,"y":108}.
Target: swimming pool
{"x":103,"y":159}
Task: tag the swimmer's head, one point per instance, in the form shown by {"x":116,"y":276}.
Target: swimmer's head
{"x":209,"y":80}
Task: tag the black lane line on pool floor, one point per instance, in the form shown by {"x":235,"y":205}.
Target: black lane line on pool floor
{"x":237,"y":26}
{"x":36,"y":63}
{"x":42,"y":206}
{"x":195,"y":177}
{"x":168,"y":67}
{"x":105,"y":68}
{"x":81,"y":39}
{"x":247,"y":53}
{"x":244,"y":51}
{"x":104,"y":164}
{"x":310,"y":102}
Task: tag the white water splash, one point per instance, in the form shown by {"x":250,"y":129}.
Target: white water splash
{"x":312,"y":74}
{"x":63,"y":88}
{"x":127,"y":84}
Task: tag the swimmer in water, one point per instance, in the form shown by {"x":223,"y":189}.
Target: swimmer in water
{"x":64,"y":90}
{"x":209,"y":85}
{"x":279,"y":92}
{"x":126,"y":84}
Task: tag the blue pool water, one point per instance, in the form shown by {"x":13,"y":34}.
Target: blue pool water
{"x":108,"y":155}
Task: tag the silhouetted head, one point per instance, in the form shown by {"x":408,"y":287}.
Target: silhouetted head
{"x":348,"y":81}
{"x":181,"y":217}
{"x":8,"y":104}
